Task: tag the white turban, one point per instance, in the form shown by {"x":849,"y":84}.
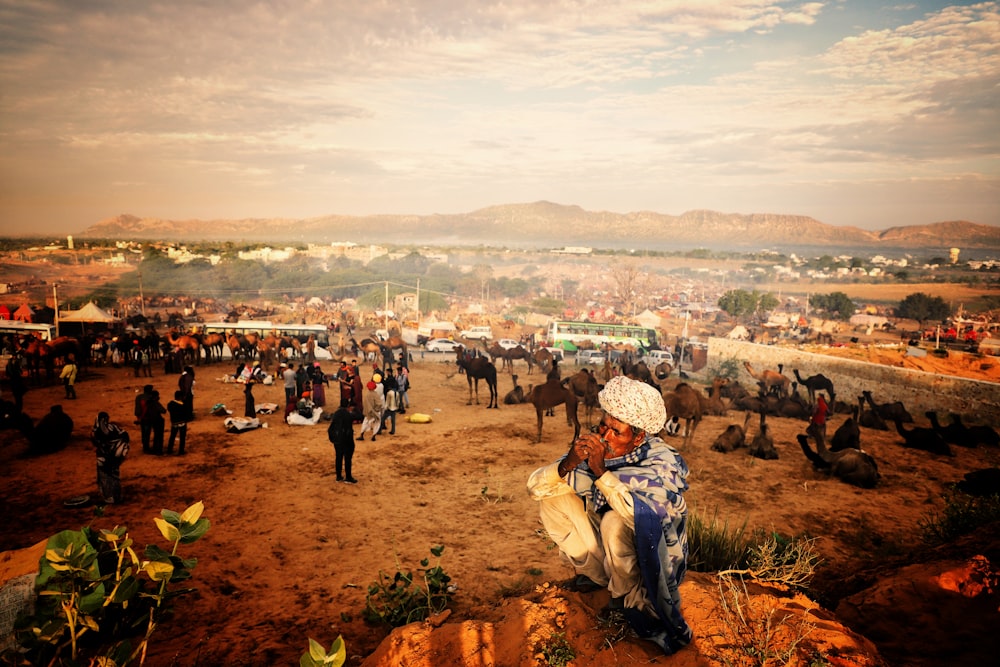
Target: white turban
{"x":635,"y":403}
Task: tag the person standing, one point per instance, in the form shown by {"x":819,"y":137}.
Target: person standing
{"x":372,"y":405}
{"x":319,"y":384}
{"x":403,"y":386}
{"x":178,"y":423}
{"x":288,"y":378}
{"x":147,"y":365}
{"x":154,"y":414}
{"x":391,"y":408}
{"x":68,"y":377}
{"x":186,"y":384}
{"x":820,"y":412}
{"x":615,"y":507}
{"x":145,"y":427}
{"x":112,"y":444}
{"x":249,"y":406}
{"x":18,"y":387}
{"x":341,"y":434}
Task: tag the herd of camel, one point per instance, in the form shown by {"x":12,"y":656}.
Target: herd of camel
{"x":841,"y":457}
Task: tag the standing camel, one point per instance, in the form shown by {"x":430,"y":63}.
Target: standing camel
{"x":683,"y":402}
{"x":516,"y":353}
{"x":189,"y":345}
{"x":773,"y":381}
{"x":584,"y":386}
{"x":547,"y":396}
{"x":814,"y":383}
{"x":478,"y":369}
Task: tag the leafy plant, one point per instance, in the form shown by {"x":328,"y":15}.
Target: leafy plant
{"x":397,"y":600}
{"x":320,"y":657}
{"x":727,"y":368}
{"x":492,"y":497}
{"x":95,"y":594}
{"x":962,"y":514}
{"x":556,"y":651}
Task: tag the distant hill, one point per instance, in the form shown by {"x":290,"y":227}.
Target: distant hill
{"x":545,"y":224}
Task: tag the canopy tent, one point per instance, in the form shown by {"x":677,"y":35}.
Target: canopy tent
{"x":25,"y":313}
{"x":4,"y":312}
{"x":566,"y":345}
{"x":89,"y":313}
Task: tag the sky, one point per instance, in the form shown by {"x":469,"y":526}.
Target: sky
{"x":851,"y":112}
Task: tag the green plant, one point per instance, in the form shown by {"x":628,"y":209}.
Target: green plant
{"x":556,"y":651}
{"x":397,"y":600}
{"x":962,"y":514}
{"x":492,"y":497}
{"x":726,"y":368}
{"x":320,"y":657}
{"x":93,"y":599}
{"x":712,"y":547}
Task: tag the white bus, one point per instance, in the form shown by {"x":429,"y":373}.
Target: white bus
{"x":19,"y":329}
{"x":600,"y":332}
{"x":265,"y":327}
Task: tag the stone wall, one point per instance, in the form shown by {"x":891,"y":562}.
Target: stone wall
{"x":976,"y":401}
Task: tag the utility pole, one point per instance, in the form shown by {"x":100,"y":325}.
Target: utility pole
{"x":418,"y":303}
{"x":142,"y":301}
{"x":55,"y":306}
{"x":385,"y":313}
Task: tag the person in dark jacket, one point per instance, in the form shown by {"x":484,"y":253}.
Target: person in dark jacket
{"x":341,"y":434}
{"x":178,"y":423}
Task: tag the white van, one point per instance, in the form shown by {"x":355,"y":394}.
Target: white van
{"x":653,"y":358}
{"x":482,"y":333}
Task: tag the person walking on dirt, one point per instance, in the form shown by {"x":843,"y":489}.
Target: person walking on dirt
{"x":178,"y":423}
{"x":68,"y":377}
{"x":341,"y":434}
{"x":112,"y":444}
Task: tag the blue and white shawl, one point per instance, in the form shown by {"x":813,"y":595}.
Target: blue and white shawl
{"x":657,"y":478}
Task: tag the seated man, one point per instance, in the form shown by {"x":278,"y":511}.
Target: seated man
{"x":614,"y":505}
{"x":52,"y":432}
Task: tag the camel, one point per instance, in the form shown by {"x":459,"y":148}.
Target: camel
{"x":814,"y":383}
{"x":773,"y":381}
{"x":954,"y":434}
{"x":870,"y":418}
{"x":848,"y":434}
{"x":919,"y":437}
{"x":584,"y":386}
{"x":715,"y":405}
{"x":496,"y":352}
{"x":661,"y":375}
{"x":639,"y":371}
{"x":212,"y":343}
{"x":478,"y":369}
{"x":979,"y":433}
{"x":543,"y":359}
{"x":683,"y":403}
{"x":516,"y":353}
{"x":607,"y":371}
{"x":396,"y":343}
{"x":888,"y":411}
{"x":547,"y":396}
{"x":370,"y":349}
{"x":762,"y":445}
{"x":188,"y":344}
{"x":850,"y":465}
{"x":515,"y":395}
{"x":734,"y":437}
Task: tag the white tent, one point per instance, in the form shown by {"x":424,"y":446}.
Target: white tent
{"x":89,"y":313}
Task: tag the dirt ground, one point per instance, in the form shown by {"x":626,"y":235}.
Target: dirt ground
{"x":291,"y":552}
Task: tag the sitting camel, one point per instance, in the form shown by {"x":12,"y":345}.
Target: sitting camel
{"x":715,"y":405}
{"x":923,"y":438}
{"x":515,"y":395}
{"x":889,"y":411}
{"x":870,"y":418}
{"x":852,"y":466}
{"x":762,"y":445}
{"x":734,"y":437}
{"x":848,"y":434}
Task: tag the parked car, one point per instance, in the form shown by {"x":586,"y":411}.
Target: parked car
{"x":482,"y":333}
{"x":584,"y":357}
{"x":557,"y":352}
{"x":508,"y":343}
{"x":655,"y":357}
{"x":441,"y":345}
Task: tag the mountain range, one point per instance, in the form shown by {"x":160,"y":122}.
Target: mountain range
{"x":545,"y":224}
